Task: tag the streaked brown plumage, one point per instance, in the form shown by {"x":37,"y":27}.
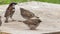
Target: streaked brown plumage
{"x":0,"y":21}
{"x":26,"y":14}
{"x":53,"y":33}
{"x":32,"y":23}
{"x":10,"y":11}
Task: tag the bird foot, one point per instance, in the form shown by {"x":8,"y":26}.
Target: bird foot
{"x":6,"y":21}
{"x":13,"y":20}
{"x":32,"y":29}
{"x":20,"y":21}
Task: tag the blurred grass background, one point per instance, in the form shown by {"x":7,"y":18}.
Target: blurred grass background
{"x":50,"y":1}
{"x":9,"y":1}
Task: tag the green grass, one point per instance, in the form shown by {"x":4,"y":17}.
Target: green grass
{"x":50,"y":1}
{"x":9,"y":1}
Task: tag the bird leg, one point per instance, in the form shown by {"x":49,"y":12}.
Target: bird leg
{"x":12,"y":15}
{"x":32,"y":27}
{"x":6,"y":21}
